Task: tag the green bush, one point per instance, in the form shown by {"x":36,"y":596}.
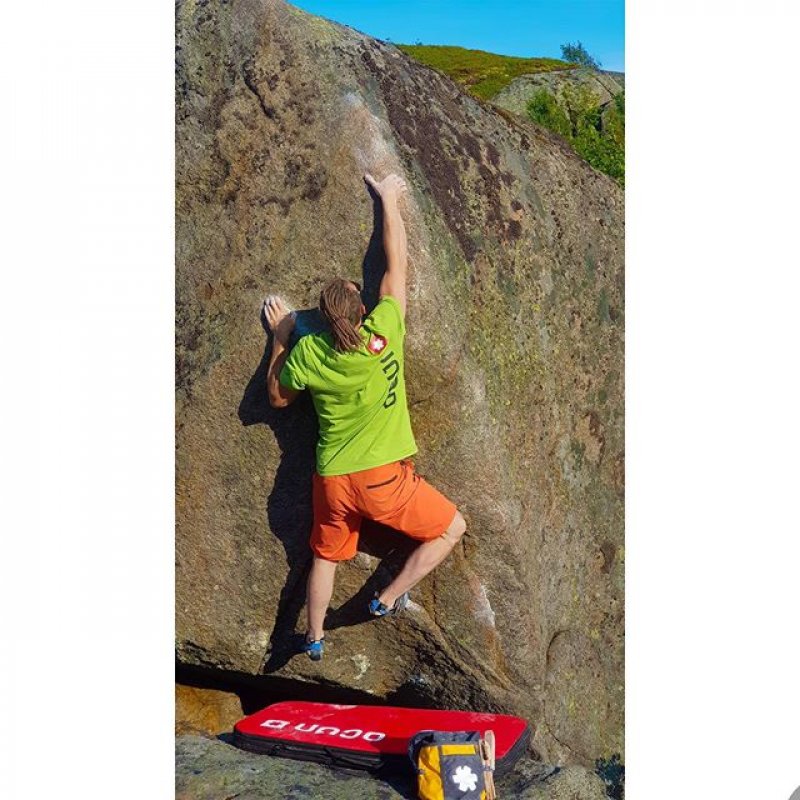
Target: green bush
{"x":614,"y":124}
{"x":545,"y":109}
{"x":602,"y":153}
{"x":578,"y":116}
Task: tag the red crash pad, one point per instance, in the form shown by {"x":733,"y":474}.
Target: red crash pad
{"x":369,"y":737}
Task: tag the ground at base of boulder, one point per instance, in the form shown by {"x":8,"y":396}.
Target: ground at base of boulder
{"x":210,"y":769}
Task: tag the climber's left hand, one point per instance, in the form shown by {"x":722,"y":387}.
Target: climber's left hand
{"x":280,"y":320}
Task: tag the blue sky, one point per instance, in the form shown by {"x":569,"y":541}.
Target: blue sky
{"x":532,"y":28}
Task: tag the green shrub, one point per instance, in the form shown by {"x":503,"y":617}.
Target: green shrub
{"x":582,"y":106}
{"x":578,"y":116}
{"x":546,"y":110}
{"x":614,"y":123}
{"x":601,"y":152}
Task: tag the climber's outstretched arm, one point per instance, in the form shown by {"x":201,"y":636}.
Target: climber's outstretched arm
{"x":394,"y":237}
{"x":281,"y":323}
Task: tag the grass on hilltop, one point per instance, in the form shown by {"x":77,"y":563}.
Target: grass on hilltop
{"x":484,"y":74}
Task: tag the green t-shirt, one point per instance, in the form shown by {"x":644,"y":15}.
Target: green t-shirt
{"x":359,"y":396}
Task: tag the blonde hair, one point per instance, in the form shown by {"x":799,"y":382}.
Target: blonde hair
{"x":340,"y":304}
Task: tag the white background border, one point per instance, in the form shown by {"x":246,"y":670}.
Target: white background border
{"x":713,"y":541}
{"x":712,"y":532}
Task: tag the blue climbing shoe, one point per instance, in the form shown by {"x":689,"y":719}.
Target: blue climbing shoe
{"x":378,"y":609}
{"x":314,"y":648}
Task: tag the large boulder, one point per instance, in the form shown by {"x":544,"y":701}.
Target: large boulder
{"x":514,"y":369}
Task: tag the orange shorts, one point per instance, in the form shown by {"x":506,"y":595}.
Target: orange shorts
{"x":392,"y":494}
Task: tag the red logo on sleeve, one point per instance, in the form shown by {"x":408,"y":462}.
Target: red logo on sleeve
{"x":376,"y":343}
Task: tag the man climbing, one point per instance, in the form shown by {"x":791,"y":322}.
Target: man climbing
{"x":356,"y":378}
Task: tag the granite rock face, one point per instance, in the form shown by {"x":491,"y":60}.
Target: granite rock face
{"x":514,"y":361}
{"x":211,"y":769}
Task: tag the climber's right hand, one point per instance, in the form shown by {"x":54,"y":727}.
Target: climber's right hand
{"x":390,"y":188}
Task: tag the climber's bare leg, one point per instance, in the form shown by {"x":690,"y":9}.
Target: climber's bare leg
{"x":423,"y":560}
{"x":318,"y":595}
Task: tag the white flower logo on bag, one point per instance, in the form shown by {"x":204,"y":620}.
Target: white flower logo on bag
{"x":466,"y":779}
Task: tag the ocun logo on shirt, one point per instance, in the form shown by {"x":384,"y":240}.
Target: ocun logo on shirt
{"x":390,"y":368}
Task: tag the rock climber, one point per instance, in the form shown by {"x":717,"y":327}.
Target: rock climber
{"x":356,"y":377}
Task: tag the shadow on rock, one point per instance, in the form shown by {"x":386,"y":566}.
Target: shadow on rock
{"x":374,"y":263}
{"x":288,"y":507}
{"x":392,"y":549}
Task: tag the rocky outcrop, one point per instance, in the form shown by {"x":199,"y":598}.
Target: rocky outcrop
{"x":516,"y":96}
{"x":211,"y":769}
{"x":201,"y":710}
{"x":514,"y":364}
